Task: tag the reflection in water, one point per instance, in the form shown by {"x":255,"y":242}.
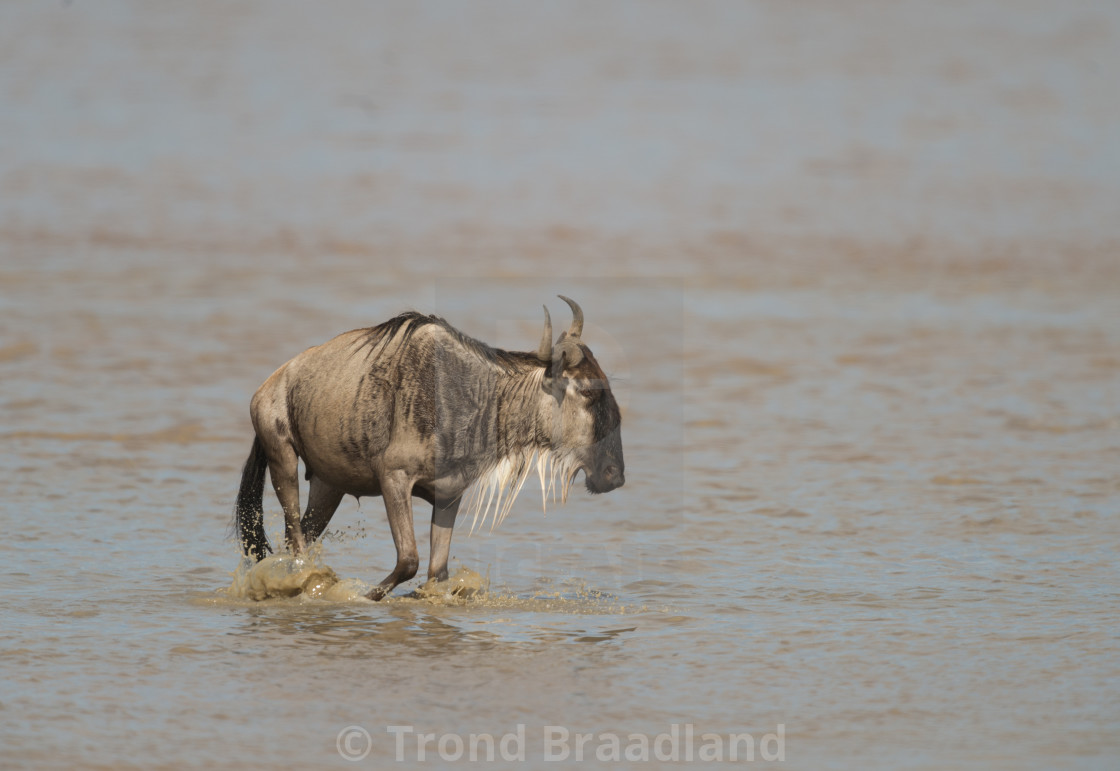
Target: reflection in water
{"x":419,"y":627}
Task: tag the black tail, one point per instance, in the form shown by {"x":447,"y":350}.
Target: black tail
{"x":249,"y":514}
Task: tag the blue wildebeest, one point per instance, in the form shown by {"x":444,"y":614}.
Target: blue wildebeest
{"x":414,"y":407}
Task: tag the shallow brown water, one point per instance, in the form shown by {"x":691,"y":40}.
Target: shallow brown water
{"x":854,"y":275}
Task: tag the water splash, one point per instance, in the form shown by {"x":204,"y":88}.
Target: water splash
{"x":464,"y":583}
{"x":284,"y":578}
{"x":306,"y":577}
{"x":282,"y":575}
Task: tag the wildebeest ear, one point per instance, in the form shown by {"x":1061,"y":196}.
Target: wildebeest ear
{"x":565,"y":354}
{"x":567,"y":351}
{"x":554,"y":381}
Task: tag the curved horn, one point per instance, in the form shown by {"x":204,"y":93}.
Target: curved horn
{"x":577,"y":317}
{"x":544,"y":351}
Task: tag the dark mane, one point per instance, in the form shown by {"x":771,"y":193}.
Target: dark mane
{"x":411,"y":321}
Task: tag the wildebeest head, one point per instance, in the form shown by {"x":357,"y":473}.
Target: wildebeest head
{"x":586,"y":420}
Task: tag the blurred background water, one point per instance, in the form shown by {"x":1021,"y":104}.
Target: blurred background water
{"x":852,"y":268}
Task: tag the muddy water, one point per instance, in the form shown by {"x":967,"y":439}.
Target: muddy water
{"x":854,"y":275}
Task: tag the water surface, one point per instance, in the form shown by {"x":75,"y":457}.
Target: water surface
{"x":853,"y":274}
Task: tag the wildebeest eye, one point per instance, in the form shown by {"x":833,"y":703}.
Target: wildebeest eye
{"x":590,"y":393}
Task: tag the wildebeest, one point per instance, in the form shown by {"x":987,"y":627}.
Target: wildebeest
{"x":413,"y":407}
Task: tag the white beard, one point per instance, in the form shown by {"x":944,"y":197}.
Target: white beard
{"x":494,"y":492}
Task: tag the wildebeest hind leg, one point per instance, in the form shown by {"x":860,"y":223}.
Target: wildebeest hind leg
{"x":283,"y":468}
{"x":397,"y":492}
{"x":322,"y":502}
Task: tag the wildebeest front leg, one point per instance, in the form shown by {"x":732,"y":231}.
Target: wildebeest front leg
{"x":443,"y":523}
{"x":396,"y":489}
